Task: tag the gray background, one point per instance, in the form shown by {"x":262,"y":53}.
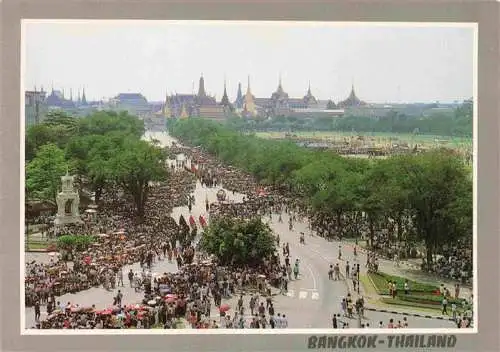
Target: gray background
{"x":485,"y":13}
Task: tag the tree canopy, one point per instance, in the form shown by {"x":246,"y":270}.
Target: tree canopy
{"x":44,"y":171}
{"x":239,"y":242}
{"x":449,"y":122}
{"x":424,"y":197}
{"x":104,"y":149}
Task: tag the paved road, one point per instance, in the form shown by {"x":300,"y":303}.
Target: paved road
{"x":313,"y":298}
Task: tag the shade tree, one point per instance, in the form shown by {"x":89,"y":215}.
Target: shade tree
{"x":425,"y":197}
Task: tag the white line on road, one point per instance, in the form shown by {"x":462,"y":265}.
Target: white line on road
{"x":290,"y":293}
{"x":312,"y":275}
{"x":315,"y":296}
{"x":303,"y":294}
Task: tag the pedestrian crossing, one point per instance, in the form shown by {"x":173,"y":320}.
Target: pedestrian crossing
{"x":303,"y":294}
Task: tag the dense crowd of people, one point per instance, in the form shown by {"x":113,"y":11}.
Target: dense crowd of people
{"x":200,"y":282}
{"x":123,"y":240}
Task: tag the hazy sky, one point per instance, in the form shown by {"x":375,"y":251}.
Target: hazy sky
{"x":385,"y":63}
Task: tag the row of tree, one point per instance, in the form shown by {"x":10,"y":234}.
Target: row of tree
{"x":104,"y":150}
{"x":456,"y":123}
{"x":425,"y":197}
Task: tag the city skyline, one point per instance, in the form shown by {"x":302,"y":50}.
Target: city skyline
{"x":159,"y":57}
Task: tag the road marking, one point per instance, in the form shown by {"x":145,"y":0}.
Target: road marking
{"x":290,"y":293}
{"x":315,"y":296}
{"x":312,"y":275}
{"x":302,"y":294}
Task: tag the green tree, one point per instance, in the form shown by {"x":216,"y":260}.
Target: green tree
{"x":63,"y":120}
{"x":45,"y":133}
{"x":104,"y":122}
{"x":425,"y":197}
{"x":440,"y":189}
{"x":92,"y":155}
{"x":135,"y":164}
{"x":239,"y":242}
{"x":43,"y":173}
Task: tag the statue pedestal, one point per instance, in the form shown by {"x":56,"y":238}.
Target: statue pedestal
{"x":68,"y":201}
{"x":67,"y":219}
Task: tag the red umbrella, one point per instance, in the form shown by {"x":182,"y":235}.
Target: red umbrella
{"x":192,"y":222}
{"x":203,"y":222}
{"x":224,"y":308}
{"x":170,"y":300}
{"x":171,"y":295}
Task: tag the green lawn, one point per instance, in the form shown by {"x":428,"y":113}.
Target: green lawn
{"x":39,"y":245}
{"x":421,"y":295}
{"x":426,"y":140}
{"x":380,"y":280}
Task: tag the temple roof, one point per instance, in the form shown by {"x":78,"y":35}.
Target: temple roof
{"x":280,"y":92}
{"x":225,"y":99}
{"x":124,"y":97}
{"x":309,"y":98}
{"x":352,"y":100}
{"x":201,"y":87}
{"x":56,"y":98}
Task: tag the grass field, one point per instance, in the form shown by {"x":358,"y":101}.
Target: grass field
{"x":426,"y":140}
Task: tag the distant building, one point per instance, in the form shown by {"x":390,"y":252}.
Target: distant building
{"x":35,"y":107}
{"x":249,"y":106}
{"x":280,"y":104}
{"x":351,"y":101}
{"x":224,"y":102}
{"x":133,"y":103}
{"x":57,"y":100}
{"x":238,"y":103}
{"x":197,"y":105}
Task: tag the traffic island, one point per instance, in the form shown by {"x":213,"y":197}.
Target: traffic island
{"x":420,"y":296}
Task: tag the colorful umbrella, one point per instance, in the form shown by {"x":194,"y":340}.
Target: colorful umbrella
{"x":224,"y":308}
{"x":203,"y":222}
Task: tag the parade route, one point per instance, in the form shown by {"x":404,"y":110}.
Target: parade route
{"x":311,"y":300}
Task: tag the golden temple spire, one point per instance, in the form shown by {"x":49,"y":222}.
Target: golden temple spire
{"x":248,"y":103}
{"x":248,"y":85}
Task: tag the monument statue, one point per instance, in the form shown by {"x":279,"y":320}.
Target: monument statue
{"x":68,"y":201}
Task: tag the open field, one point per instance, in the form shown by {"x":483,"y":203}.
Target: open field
{"x":425,"y":140}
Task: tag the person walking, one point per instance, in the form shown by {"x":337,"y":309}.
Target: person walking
{"x":336,"y":270}
{"x":120,"y":277}
{"x":444,"y":303}
{"x":37,"y":311}
{"x":131,"y":277}
{"x":296,"y":269}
